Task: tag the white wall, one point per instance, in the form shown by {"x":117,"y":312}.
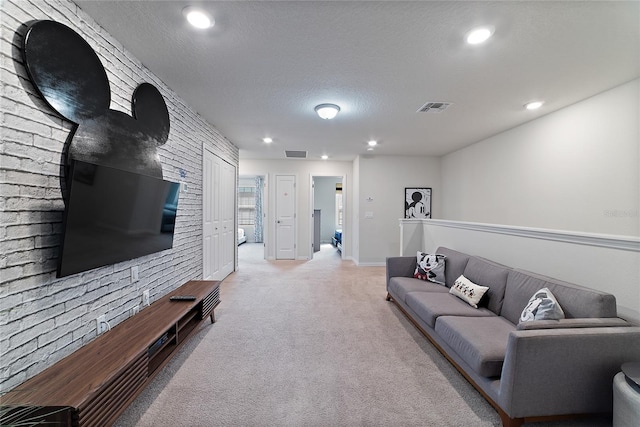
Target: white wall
{"x":303,"y":170}
{"x":382,"y":180}
{"x":575,"y":169}
{"x":355,"y":211}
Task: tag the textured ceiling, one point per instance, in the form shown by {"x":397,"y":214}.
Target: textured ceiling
{"x":265,"y":65}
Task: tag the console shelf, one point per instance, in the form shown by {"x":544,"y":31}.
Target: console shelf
{"x":95,"y":384}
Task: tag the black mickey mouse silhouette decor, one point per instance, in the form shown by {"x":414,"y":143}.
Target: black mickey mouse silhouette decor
{"x":70,"y":77}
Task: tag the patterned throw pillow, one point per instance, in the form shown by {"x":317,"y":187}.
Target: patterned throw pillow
{"x":430,"y":267}
{"x":542,"y":306}
{"x":468,"y":291}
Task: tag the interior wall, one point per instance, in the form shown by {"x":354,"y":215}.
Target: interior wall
{"x":355,"y":210}
{"x":325,"y":199}
{"x":303,"y":169}
{"x":382,"y":182}
{"x":43,"y":319}
{"x":575,"y":169}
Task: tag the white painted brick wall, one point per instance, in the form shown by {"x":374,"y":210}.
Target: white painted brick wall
{"x":43,"y":319}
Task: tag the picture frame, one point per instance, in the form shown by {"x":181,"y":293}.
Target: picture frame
{"x":417,"y":202}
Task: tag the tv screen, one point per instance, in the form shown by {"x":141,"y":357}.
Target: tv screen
{"x":112,"y":215}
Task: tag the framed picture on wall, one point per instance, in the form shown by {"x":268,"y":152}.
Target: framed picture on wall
{"x":417,"y":202}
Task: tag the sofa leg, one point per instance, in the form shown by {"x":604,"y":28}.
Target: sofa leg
{"x":388,"y":297}
{"x":510,"y":422}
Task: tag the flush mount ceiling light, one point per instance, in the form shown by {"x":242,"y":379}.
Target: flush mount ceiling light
{"x":327,"y":111}
{"x":267,"y":140}
{"x":324,"y":157}
{"x":372,"y":143}
{"x":198,"y":18}
{"x":479,"y":35}
{"x":533,"y":105}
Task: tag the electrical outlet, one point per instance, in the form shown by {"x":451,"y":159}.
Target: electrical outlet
{"x":101,"y":325}
{"x":134,"y":274}
{"x":135,"y":309}
{"x":145,"y":297}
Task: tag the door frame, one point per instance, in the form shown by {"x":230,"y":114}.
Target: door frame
{"x":311,"y":208}
{"x":265,"y":210}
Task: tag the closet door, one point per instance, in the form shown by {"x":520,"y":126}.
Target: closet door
{"x":228,"y":192}
{"x":218,"y":216}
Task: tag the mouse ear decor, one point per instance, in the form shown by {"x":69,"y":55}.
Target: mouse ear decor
{"x":69,"y":76}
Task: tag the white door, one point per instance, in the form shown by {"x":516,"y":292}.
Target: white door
{"x":218,"y":217}
{"x":285,"y":216}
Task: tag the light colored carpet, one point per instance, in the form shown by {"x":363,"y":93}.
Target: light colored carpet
{"x":309,"y":344}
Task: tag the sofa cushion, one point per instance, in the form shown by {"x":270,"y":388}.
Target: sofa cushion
{"x":430,"y":267}
{"x":481,"y":342}
{"x":430,"y":305}
{"x":488,"y":273}
{"x":454,"y":264}
{"x":576,"y":301}
{"x":400,"y":286}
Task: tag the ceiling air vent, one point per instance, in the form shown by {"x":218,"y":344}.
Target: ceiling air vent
{"x":434,"y":107}
{"x":292,"y":154}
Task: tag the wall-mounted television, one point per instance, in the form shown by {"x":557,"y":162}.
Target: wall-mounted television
{"x":113,"y":215}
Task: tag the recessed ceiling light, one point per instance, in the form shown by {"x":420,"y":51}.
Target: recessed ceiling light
{"x":479,"y":35}
{"x":324,"y":157}
{"x":533,"y":105}
{"x":198,"y":18}
{"x":267,"y":140}
{"x":327,"y":111}
{"x":372,"y":143}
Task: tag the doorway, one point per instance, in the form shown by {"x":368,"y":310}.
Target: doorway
{"x":252,"y":199}
{"x":328,"y":215}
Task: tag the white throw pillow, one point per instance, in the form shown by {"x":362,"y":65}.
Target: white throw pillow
{"x":542,"y":306}
{"x":430,"y":267}
{"x":468,"y":291}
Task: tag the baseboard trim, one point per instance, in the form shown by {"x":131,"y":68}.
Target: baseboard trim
{"x":370,"y":264}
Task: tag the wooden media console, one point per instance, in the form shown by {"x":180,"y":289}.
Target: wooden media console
{"x":96,"y":383}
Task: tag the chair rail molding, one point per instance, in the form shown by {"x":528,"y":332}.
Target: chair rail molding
{"x":626,"y":243}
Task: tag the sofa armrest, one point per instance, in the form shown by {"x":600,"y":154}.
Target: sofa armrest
{"x":587,"y":322}
{"x":564,"y":371}
{"x":400,"y":266}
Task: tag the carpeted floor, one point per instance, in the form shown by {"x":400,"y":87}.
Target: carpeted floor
{"x":310,"y":343}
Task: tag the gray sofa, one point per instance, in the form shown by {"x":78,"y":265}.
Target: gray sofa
{"x":534,"y":370}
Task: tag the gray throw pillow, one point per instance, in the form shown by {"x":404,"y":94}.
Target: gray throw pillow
{"x":542,"y":306}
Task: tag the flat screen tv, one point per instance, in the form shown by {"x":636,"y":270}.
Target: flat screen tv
{"x":113,"y":215}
